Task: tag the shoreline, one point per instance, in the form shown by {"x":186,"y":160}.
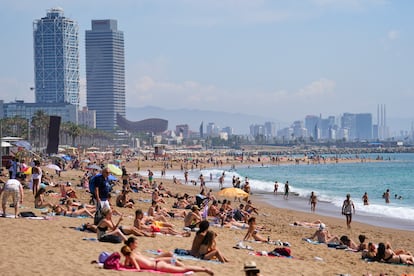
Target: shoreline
{"x":298,"y":203}
{"x":323,"y":208}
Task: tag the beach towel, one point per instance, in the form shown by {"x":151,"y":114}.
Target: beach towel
{"x":264,"y":253}
{"x":311,"y":241}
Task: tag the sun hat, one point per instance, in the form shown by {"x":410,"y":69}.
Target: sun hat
{"x":250,"y":266}
{"x":322,"y":226}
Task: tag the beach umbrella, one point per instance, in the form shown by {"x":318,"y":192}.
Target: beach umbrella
{"x":232,"y":192}
{"x":93,"y":167}
{"x":23,"y":144}
{"x":114,"y":169}
{"x":53,"y":167}
{"x":27,"y":170}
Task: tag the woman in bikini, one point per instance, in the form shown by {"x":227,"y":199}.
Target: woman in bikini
{"x":137,"y":260}
{"x":208,"y":249}
{"x":386,"y":254}
{"x":253,"y":231}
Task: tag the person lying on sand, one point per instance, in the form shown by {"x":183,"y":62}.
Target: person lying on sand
{"x":348,"y":242}
{"x":386,"y":254}
{"x":137,"y":260}
{"x":315,"y":224}
{"x":156,"y":226}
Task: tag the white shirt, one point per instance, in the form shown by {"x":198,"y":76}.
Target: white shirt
{"x":12,"y":185}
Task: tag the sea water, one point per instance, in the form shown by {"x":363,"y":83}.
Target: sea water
{"x":331,"y":182}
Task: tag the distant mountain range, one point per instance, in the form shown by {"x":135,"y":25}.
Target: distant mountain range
{"x":193,"y":117}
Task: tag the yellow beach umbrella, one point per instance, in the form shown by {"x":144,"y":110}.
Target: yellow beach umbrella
{"x":114,"y":169}
{"x":232,"y":192}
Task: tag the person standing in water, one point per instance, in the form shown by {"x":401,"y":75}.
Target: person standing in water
{"x":365,"y":198}
{"x":286,"y":195}
{"x":276,"y":187}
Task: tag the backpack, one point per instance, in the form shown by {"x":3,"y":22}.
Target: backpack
{"x":280,"y":251}
{"x":92,"y":185}
{"x":113,"y":261}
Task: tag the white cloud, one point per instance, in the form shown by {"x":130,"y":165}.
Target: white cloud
{"x":194,"y":95}
{"x":317,"y":89}
{"x":393,"y":34}
{"x":187,"y":94}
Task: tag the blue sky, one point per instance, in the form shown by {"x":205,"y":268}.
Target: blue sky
{"x":278,"y":59}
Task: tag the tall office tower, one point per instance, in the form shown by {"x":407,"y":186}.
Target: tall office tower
{"x":105,"y":73}
{"x":312,"y":123}
{"x":56,"y":59}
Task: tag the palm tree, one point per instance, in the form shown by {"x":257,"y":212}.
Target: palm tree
{"x":40,"y":123}
{"x":74,"y":132}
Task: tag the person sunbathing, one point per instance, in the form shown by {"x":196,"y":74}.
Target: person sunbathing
{"x":71,"y":212}
{"x":323,"y":235}
{"x":40,"y":202}
{"x":208,"y":249}
{"x":138,"y":261}
{"x":114,"y":235}
{"x":348,"y":242}
{"x":386,"y":254}
{"x":193,"y":218}
{"x":363,"y":245}
{"x":156,"y":226}
{"x":132,"y":243}
{"x":253,"y":231}
{"x":123,"y":200}
{"x":316,"y":223}
{"x":156,"y":211}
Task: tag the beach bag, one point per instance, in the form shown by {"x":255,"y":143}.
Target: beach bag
{"x":280,"y":251}
{"x":113,"y":261}
{"x":103,"y":256}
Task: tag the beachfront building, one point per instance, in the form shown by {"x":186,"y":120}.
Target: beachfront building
{"x":183,"y":131}
{"x":105,"y":73}
{"x":56,"y":59}
{"x":67,"y":112}
{"x":87,"y":117}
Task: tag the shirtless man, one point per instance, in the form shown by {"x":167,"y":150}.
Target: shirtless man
{"x":323,"y":235}
{"x":193,"y":218}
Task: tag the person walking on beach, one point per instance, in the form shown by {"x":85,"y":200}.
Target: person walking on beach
{"x":347,"y":208}
{"x":312,"y":201}
{"x":365,"y":198}
{"x":286,"y":195}
{"x":276,"y":187}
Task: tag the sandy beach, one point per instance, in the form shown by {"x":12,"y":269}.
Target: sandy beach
{"x":53,"y":247}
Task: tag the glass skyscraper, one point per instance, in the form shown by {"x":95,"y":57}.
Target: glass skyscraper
{"x":56,"y":59}
{"x":105,"y":73}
